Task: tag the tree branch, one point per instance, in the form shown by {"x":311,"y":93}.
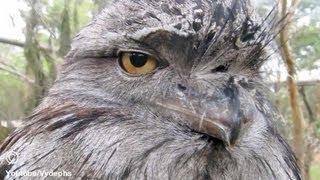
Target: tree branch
{"x":13,"y":71}
{"x":307,"y":104}
{"x":4,"y":62}
{"x":303,"y":83}
{"x":22,"y":44}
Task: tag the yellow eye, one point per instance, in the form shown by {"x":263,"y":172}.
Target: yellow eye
{"x":136,"y":63}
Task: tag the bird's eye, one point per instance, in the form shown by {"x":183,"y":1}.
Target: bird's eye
{"x":137,"y":63}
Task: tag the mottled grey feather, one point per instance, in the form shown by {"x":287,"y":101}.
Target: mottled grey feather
{"x":99,"y":123}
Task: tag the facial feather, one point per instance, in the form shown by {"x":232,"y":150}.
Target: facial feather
{"x":202,"y":114}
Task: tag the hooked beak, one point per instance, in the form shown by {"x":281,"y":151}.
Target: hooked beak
{"x":220,"y":119}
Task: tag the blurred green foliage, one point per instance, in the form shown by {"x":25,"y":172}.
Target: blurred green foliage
{"x":49,"y":32}
{"x":315,"y":172}
{"x":307,"y":46}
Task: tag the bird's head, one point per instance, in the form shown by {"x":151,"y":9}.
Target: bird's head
{"x":193,"y":63}
{"x":175,"y":91}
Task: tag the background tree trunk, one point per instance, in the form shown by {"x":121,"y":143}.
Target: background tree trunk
{"x":65,"y":31}
{"x":298,"y":120}
{"x":31,"y":51}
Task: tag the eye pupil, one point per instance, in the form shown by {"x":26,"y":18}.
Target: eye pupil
{"x":138,"y":59}
{"x":137,"y":63}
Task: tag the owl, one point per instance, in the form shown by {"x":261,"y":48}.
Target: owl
{"x":159,"y":89}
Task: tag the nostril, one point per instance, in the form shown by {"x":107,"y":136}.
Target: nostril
{"x":220,"y":68}
{"x":182,"y":87}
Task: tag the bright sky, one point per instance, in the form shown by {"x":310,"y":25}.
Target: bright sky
{"x":11,"y":23}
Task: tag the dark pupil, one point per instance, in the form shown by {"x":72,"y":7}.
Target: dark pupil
{"x":138,"y":59}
